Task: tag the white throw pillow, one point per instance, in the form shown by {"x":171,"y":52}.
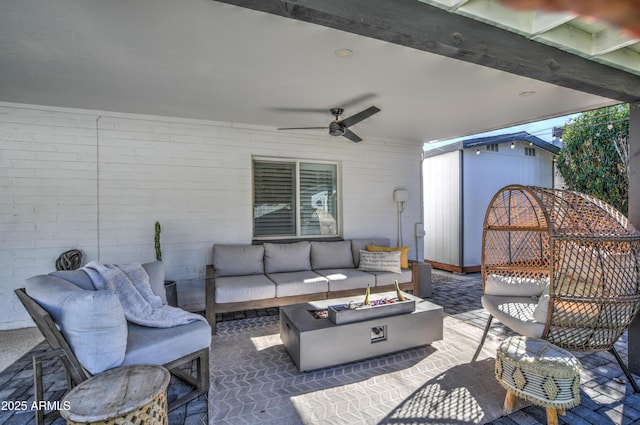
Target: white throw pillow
{"x":514,"y":286}
{"x":542,"y":309}
{"x":380,"y":261}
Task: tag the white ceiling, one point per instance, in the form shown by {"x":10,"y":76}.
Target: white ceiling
{"x":207,"y":60}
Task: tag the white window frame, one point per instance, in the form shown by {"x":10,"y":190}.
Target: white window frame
{"x":298,"y":227}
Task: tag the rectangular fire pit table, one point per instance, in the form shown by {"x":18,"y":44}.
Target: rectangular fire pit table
{"x":315,"y":343}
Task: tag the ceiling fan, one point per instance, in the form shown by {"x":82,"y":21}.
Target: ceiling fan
{"x":340,"y":127}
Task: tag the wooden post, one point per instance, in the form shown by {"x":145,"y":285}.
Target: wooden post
{"x":552,"y":416}
{"x":634,"y":216}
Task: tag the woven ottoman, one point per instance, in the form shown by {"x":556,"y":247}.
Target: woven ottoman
{"x":539,"y":372}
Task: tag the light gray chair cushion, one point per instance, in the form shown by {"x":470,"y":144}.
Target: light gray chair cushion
{"x":388,"y":278}
{"x":514,"y":286}
{"x":358,"y":244}
{"x":516,"y":313}
{"x":238,"y":260}
{"x":331,"y":255}
{"x":349,"y":278}
{"x":163,"y":345}
{"x":77,"y":277}
{"x":154,"y":269}
{"x":299,"y":283}
{"x":231,"y":289}
{"x":287,"y":257}
{"x":92,"y":322}
{"x":542,"y":309}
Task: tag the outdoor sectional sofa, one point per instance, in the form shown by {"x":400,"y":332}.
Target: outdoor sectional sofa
{"x":245,"y":277}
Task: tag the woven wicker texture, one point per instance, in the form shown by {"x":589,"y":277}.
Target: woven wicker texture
{"x":152,"y":413}
{"x":135,"y":394}
{"x":587,"y":249}
{"x":539,"y":372}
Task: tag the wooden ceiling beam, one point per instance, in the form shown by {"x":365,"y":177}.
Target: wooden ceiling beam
{"x":420,"y":26}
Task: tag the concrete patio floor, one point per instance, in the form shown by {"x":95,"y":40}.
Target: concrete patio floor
{"x":606,"y":397}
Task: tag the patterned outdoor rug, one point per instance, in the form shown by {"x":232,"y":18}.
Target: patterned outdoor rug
{"x":443,"y":277}
{"x":254,"y":381}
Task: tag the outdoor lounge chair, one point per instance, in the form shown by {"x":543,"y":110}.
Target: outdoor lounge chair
{"x":183,"y":349}
{"x":561,"y":266}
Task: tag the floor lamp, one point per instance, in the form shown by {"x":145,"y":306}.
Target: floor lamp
{"x":400,"y":196}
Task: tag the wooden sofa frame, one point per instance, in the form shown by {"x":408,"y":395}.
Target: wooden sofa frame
{"x":76,"y":373}
{"x":212,"y":308}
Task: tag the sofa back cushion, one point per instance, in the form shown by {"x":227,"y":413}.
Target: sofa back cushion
{"x":154,"y":269}
{"x":287,"y":257}
{"x":77,"y":277}
{"x":515,"y":286}
{"x":358,"y":244}
{"x":238,"y":260}
{"x":92,"y":322}
{"x":331,"y":255}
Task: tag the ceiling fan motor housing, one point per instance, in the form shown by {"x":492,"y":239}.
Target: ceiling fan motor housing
{"x":336,"y":128}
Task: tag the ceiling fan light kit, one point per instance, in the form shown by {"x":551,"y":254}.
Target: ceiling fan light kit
{"x":339,"y":127}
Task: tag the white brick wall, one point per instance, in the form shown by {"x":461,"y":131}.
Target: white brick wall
{"x":98,"y":182}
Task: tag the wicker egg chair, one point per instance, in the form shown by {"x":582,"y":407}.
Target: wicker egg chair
{"x":581,"y":253}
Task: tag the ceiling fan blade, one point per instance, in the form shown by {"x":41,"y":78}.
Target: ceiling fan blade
{"x":355,"y":100}
{"x":354,"y":119}
{"x":351,"y":135}
{"x":302,"y":110}
{"x":303,"y":128}
{"x":346,"y":104}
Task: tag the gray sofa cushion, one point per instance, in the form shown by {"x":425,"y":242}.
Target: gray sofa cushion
{"x":233,"y":289}
{"x":299,"y":283}
{"x":516,"y":313}
{"x":238,"y":260}
{"x":331,"y":255}
{"x":154,"y":269}
{"x":348,"y":278}
{"x":388,"y":278}
{"x":287,"y":257}
{"x":77,"y":277}
{"x":92,"y":322}
{"x":358,"y":244}
{"x":163,"y":345}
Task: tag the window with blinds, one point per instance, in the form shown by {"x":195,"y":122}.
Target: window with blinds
{"x":294,"y":198}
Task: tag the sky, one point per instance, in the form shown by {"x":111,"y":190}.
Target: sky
{"x":542,"y":129}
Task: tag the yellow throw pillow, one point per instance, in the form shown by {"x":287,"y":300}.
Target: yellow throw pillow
{"x":404,"y":253}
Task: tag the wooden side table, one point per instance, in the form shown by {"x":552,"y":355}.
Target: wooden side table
{"x":130,"y":394}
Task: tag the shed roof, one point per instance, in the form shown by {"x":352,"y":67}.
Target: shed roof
{"x":476,"y":142}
